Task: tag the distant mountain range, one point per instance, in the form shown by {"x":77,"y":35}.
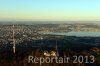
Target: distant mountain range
{"x":46,"y":22}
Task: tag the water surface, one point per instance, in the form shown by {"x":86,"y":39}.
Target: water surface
{"x":91,"y":34}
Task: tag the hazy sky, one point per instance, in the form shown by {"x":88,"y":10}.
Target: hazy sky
{"x":50,"y":10}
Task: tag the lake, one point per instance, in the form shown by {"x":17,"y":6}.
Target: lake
{"x":82,"y":34}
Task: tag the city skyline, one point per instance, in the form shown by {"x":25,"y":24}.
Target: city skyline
{"x":49,"y":10}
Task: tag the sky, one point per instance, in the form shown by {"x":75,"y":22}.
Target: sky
{"x":50,"y":10}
